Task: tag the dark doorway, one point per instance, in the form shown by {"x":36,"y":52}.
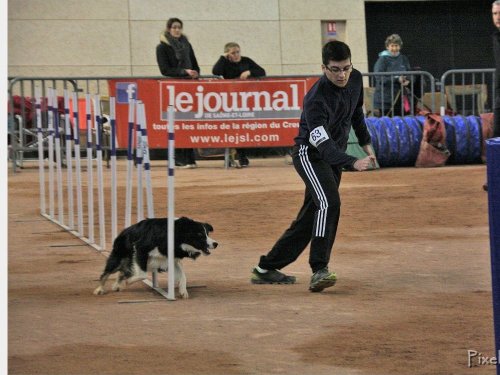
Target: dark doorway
{"x":437,"y":35}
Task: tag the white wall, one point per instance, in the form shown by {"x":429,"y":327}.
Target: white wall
{"x":118,"y":37}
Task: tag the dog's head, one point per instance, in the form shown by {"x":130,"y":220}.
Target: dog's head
{"x":193,"y":237}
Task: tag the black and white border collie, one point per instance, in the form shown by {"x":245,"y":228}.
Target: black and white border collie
{"x":142,"y":247}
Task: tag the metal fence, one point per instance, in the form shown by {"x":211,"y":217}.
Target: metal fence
{"x":22,"y":130}
{"x":464,"y":92}
{"x":396,"y":99}
{"x":467,"y":91}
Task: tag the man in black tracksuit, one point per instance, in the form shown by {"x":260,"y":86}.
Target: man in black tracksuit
{"x":331,"y":106}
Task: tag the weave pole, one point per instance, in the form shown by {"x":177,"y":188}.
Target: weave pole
{"x":141,"y":120}
{"x":78,"y":164}
{"x":69,"y":160}
{"x":493,"y":173}
{"x":39,"y":131}
{"x":171,"y":200}
{"x":147,"y":164}
{"x":130,"y":164}
{"x":50,"y":126}
{"x":138,"y":161}
{"x":60,"y":193}
{"x":100,"y":182}
{"x":90,"y":177}
{"x":114,"y":212}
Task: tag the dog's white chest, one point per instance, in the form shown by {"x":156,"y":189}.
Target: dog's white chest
{"x":157,"y":260}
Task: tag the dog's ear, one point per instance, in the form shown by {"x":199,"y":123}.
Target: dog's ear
{"x":182,"y":220}
{"x":208,"y":227}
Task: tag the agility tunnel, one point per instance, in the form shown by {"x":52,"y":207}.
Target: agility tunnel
{"x":396,"y":140}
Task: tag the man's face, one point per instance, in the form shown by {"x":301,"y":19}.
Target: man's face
{"x":495,"y":12}
{"x":338,"y":72}
{"x":234,"y":54}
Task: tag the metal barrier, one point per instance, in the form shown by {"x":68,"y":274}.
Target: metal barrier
{"x":462,"y":92}
{"x":21,"y":116}
{"x":465,"y":91}
{"x":413,"y":96}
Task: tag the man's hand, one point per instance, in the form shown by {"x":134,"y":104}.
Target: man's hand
{"x":192,"y":73}
{"x":245,"y":74}
{"x":370,"y":162}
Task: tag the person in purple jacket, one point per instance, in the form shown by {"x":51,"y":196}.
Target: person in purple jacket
{"x":332,"y":105}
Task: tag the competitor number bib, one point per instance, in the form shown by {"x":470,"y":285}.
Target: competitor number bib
{"x":318,"y":136}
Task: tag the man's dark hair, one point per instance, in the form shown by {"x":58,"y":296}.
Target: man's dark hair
{"x":171,"y":21}
{"x":335,"y":50}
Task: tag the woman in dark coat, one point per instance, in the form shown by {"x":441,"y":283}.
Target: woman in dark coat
{"x":176,"y":58}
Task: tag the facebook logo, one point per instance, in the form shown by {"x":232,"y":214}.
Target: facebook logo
{"x":125,"y":91}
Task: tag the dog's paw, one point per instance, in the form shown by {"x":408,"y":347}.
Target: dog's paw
{"x":117,"y":287}
{"x":184,"y":294}
{"x":99,"y":291}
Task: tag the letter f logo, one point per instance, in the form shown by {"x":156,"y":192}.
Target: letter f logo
{"x":125,"y":91}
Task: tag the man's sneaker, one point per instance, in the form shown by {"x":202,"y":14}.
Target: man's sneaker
{"x":271,"y":277}
{"x":322,"y":279}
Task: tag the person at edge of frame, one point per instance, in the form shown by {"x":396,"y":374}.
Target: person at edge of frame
{"x":495,"y":12}
{"x":332,"y":105}
{"x":175,"y":57}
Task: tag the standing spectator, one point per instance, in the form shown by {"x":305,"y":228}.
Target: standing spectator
{"x":332,"y":105}
{"x":175,"y":57}
{"x":389,"y":89}
{"x":495,"y":12}
{"x":232,"y":65}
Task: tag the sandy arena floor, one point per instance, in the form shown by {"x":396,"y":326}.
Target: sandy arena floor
{"x":412,"y":256}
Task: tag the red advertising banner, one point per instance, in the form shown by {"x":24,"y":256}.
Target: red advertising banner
{"x":214,"y":113}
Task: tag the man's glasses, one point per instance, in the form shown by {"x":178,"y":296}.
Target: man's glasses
{"x":336,"y":70}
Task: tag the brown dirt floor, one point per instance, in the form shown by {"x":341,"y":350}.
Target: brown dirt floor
{"x":412,"y":256}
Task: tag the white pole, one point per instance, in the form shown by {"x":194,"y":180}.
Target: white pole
{"x":78,"y":166}
{"x":39,"y":129}
{"x":147,"y":165}
{"x":100,"y":185}
{"x":50,"y":115}
{"x":147,"y":171}
{"x":90,"y":177}
{"x":130,"y":164}
{"x":114,"y":214}
{"x":69,"y":160}
{"x":171,"y":211}
{"x":138,"y":160}
{"x":60,"y":197}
